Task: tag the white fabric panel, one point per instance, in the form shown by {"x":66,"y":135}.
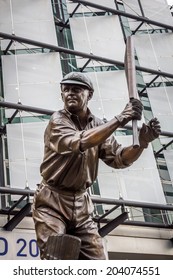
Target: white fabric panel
{"x":32,"y":19}
{"x":25,"y":150}
{"x":161,"y":100}
{"x":108,"y":109}
{"x":101,"y":36}
{"x":87,"y":9}
{"x":138,"y":182}
{"x":168,"y":154}
{"x":5,"y":15}
{"x":166,"y":122}
{"x":18,"y":176}
{"x":142,"y":185}
{"x":110,"y":93}
{"x":109,"y":185}
{"x":109,"y":85}
{"x":33,"y":80}
{"x":31,"y":68}
{"x":157,"y":10}
{"x":158,"y":51}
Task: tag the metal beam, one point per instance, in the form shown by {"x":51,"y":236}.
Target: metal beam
{"x":137,"y":204}
{"x":81,"y":54}
{"x":50,"y":112}
{"x":85,"y":65}
{"x":124,"y":14}
{"x":148,"y":224}
{"x":105,"y":230}
{"x":71,"y":15}
{"x":107,"y":213}
{"x":133,"y":32}
{"x":19,"y":106}
{"x":131,"y":223}
{"x":141,"y":8}
{"x":139,"y":223}
{"x":110,"y":224}
{"x":16,"y":203}
{"x":3,"y":128}
{"x":7,"y":190}
{"x":8,"y":47}
{"x":99,"y":200}
{"x":162,"y":149}
{"x":2,"y":178}
{"x":10,"y":225}
{"x":148,"y":85}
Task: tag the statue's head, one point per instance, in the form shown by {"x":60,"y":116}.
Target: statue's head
{"x":78,"y":78}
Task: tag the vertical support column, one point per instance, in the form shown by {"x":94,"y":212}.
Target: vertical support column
{"x":121,"y":23}
{"x":2,"y":180}
{"x":141,"y":8}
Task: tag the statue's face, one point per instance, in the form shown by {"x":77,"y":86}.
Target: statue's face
{"x":75,"y":97}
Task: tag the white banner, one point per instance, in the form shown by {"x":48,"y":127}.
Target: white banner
{"x":18,"y":245}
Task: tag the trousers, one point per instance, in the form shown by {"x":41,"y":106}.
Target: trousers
{"x":58,"y":213}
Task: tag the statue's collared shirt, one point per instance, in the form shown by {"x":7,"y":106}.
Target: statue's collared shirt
{"x":64,"y":166}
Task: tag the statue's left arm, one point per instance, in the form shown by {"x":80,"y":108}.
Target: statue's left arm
{"x":147,"y":134}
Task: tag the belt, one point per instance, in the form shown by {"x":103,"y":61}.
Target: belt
{"x":63,"y":191}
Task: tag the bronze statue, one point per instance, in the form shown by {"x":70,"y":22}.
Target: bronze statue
{"x":75,"y":140}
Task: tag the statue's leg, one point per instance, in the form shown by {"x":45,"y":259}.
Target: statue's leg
{"x":52,"y":240}
{"x":46,"y":225}
{"x":52,"y":214}
{"x":92,"y":247}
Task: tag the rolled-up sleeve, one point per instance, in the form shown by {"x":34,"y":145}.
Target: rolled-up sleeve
{"x":62,"y":138}
{"x":111,"y":153}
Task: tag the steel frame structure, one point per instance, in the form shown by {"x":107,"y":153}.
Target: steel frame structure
{"x":142,"y":18}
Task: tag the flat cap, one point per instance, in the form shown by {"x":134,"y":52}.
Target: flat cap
{"x":78,"y":78}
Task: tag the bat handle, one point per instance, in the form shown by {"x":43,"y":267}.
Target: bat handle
{"x":135,"y":134}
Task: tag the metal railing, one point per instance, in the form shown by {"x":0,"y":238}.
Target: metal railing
{"x":109,"y":223}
